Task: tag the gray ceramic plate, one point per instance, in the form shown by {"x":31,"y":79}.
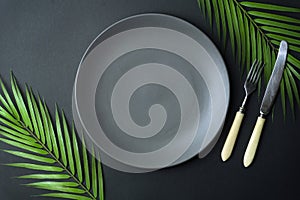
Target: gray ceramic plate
{"x":151,"y":91}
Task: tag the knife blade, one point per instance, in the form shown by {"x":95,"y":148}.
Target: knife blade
{"x":267,"y":102}
{"x":274,"y":82}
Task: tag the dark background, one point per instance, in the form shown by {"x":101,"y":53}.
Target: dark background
{"x":43,"y":41}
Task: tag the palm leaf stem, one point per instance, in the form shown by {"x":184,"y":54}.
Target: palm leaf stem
{"x":58,"y":161}
{"x":255,"y":24}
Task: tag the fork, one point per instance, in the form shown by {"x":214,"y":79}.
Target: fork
{"x":249,"y":86}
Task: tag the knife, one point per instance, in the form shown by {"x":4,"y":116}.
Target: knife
{"x":267,"y":102}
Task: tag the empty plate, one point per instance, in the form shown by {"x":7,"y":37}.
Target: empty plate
{"x":151,"y":91}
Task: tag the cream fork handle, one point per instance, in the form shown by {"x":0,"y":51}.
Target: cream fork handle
{"x":232,"y":135}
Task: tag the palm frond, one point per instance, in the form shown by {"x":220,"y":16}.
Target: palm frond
{"x":50,"y":150}
{"x":255,"y":31}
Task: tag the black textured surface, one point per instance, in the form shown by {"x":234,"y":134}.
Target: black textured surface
{"x":43,"y":41}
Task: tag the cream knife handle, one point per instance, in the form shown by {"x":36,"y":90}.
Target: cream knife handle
{"x":232,"y":135}
{"x":253,"y":142}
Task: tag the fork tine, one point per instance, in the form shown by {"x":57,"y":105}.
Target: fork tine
{"x":251,"y":70}
{"x":254,"y":71}
{"x":262,"y":65}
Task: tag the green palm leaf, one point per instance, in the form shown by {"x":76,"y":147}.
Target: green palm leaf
{"x":255,"y":31}
{"x":50,"y":151}
{"x":45,"y":176}
{"x":100,"y":185}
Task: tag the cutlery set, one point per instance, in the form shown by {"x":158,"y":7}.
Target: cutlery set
{"x":266,"y":105}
